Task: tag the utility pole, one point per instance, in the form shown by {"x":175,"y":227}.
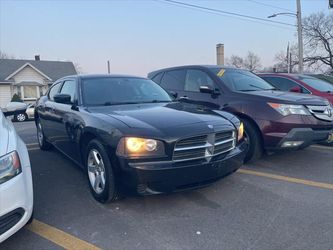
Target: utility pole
{"x":300,"y":37}
{"x":298,"y":15}
{"x":108,"y":67}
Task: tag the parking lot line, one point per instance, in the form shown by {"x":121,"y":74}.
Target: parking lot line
{"x":322,"y":147}
{"x":287,"y":179}
{"x":59,"y":237}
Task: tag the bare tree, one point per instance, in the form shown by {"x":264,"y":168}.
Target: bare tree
{"x":78,"y":68}
{"x":318,"y":38}
{"x":281,"y":59}
{"x":252,"y":61}
{"x":3,"y":55}
{"x":236,"y":61}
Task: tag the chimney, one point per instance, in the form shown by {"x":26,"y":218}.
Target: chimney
{"x":220,"y":54}
{"x":37,"y":58}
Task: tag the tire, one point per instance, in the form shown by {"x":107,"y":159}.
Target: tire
{"x":252,"y":135}
{"x":21,"y":117}
{"x":42,"y":140}
{"x":99,"y":169}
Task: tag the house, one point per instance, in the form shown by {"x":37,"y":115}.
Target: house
{"x":30,"y":79}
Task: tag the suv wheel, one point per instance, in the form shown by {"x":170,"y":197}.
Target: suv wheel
{"x":100,"y":173}
{"x":42,"y":141}
{"x":252,"y":136}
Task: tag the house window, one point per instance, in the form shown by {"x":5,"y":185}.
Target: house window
{"x":18,"y":91}
{"x":30,"y":92}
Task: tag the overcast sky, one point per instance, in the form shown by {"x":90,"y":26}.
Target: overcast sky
{"x":141,"y":36}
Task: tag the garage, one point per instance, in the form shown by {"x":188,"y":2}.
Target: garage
{"x":5,"y":95}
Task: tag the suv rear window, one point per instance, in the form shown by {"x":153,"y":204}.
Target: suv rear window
{"x":174,"y":79}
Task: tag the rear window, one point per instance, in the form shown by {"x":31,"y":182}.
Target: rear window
{"x":174,"y":80}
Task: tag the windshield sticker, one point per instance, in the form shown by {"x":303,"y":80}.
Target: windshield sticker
{"x":221,"y":73}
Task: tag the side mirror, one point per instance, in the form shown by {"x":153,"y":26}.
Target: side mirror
{"x":209,"y":90}
{"x":296,"y":89}
{"x":173,"y":94}
{"x":62,"y":98}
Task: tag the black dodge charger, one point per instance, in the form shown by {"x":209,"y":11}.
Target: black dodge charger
{"x":128,"y":132}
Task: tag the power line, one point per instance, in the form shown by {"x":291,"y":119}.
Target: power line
{"x":242,"y":16}
{"x":269,"y":5}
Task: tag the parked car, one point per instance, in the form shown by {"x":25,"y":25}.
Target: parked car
{"x":16,"y":193}
{"x":273,"y":120}
{"x":28,"y":114}
{"x":127,"y":132}
{"x":22,"y":110}
{"x":300,"y":84}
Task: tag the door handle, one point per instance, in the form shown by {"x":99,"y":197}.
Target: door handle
{"x":183,"y":97}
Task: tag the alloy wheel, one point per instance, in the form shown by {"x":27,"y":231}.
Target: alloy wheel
{"x":96,"y":171}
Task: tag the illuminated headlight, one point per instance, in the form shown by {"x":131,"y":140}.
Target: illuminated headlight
{"x":288,"y":109}
{"x":134,"y":147}
{"x":240,"y":131}
{"x":10,"y":166}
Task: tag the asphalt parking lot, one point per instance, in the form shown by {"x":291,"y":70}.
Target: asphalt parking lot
{"x":283,"y":201}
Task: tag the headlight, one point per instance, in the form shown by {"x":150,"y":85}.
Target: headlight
{"x":10,"y":166}
{"x":134,"y":147}
{"x":240,"y":131}
{"x":288,"y":109}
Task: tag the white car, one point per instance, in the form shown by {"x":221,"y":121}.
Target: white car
{"x":16,"y":193}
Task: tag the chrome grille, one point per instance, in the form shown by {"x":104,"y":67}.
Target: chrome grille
{"x":204,"y":146}
{"x":322,"y":112}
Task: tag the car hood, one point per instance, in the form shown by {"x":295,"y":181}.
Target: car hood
{"x":4,"y":134}
{"x":162,"y":115}
{"x":288,"y":97}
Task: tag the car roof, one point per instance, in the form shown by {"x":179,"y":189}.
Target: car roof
{"x":85,"y":76}
{"x":194,"y":66}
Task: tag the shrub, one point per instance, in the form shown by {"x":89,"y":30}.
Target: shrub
{"x":16,"y":98}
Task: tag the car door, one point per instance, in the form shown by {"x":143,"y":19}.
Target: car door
{"x":194,"y":79}
{"x":67,"y":121}
{"x":46,"y":111}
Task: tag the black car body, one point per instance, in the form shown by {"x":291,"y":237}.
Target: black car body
{"x":192,"y":146}
{"x":273,"y":120}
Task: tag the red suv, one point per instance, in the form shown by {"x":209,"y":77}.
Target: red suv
{"x":300,"y":84}
{"x":273,"y":120}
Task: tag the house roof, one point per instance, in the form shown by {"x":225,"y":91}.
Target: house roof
{"x":52,"y":69}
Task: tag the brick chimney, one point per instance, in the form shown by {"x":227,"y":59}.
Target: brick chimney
{"x":220,"y":54}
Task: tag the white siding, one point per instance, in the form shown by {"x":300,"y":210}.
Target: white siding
{"x":28,"y":74}
{"x":5,"y":95}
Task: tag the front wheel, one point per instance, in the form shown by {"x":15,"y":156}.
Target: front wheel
{"x":42,"y":142}
{"x":102,"y":181}
{"x":253,"y":138}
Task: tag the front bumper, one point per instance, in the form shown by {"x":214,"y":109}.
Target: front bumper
{"x":306,"y":136}
{"x":168,"y":176}
{"x":16,"y":202}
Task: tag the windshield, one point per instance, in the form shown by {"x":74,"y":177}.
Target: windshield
{"x":121,"y":90}
{"x":317,"y":84}
{"x":241,"y":80}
